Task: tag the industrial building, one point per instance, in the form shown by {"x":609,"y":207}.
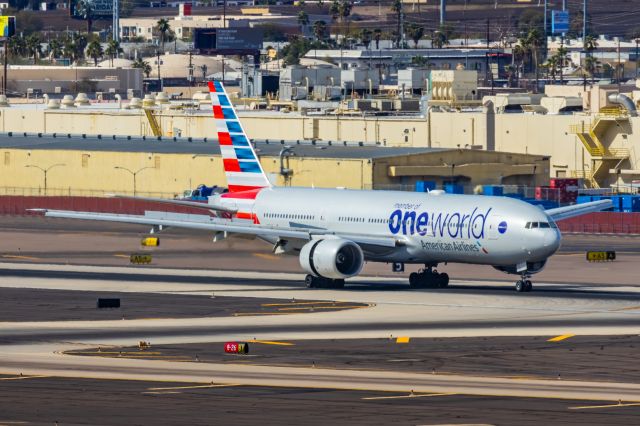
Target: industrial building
{"x":587,"y":131}
{"x":166,"y":167}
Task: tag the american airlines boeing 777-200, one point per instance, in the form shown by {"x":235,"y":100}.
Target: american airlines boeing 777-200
{"x":335,"y":231}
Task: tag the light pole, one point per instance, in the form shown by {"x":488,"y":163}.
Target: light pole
{"x":45,"y":171}
{"x":134,"y":174}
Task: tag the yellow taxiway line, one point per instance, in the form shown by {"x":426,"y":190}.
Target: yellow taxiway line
{"x":223,"y":385}
{"x":13,"y":256}
{"x":269,"y":342}
{"x":301,"y":303}
{"x":587,"y":407}
{"x":306,"y":308}
{"x":560,"y":338}
{"x":411,"y":395}
{"x":21,"y":377}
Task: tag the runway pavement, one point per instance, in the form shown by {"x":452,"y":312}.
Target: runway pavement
{"x":598,"y":302}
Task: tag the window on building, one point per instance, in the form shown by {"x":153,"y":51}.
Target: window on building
{"x":85,"y":160}
{"x":7,"y":158}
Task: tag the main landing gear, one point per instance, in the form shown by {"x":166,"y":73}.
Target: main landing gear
{"x":428,"y":278}
{"x":312,"y":281}
{"x":524,"y":285}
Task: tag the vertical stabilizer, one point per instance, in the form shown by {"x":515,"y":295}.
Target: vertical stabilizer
{"x":241,"y":165}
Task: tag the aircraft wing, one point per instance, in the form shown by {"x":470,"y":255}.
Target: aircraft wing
{"x":221,"y":225}
{"x":194,"y":204}
{"x":561,"y":213}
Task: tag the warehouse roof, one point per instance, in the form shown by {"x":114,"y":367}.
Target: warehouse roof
{"x":198,"y":146}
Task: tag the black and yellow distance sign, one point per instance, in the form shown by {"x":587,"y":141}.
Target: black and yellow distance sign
{"x":601,"y":256}
{"x":140,"y":259}
{"x":7,"y":26}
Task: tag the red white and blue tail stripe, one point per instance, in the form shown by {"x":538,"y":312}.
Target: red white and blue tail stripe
{"x":241,"y":165}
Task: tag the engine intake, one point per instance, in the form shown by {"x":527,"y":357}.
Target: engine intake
{"x":332,"y":258}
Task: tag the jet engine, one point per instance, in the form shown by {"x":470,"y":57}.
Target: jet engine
{"x":333,"y":258}
{"x":532,"y":268}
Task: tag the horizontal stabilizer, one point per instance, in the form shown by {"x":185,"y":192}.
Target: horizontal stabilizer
{"x":185,"y":203}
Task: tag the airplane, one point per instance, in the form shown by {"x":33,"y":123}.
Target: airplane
{"x":335,"y":231}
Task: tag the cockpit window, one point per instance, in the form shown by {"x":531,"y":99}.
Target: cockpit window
{"x":545,"y":225}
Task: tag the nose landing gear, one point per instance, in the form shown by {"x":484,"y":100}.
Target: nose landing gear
{"x":524,"y":285}
{"x":428,"y":278}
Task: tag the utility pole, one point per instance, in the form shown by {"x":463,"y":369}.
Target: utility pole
{"x":545,"y":27}
{"x":584,"y":20}
{"x":116,"y":22}
{"x":6,"y":61}
{"x":158,"y":61}
{"x":190,"y":68}
{"x":443,"y":11}
{"x":402,"y":36}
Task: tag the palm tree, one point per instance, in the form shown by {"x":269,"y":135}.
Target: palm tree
{"x":396,"y":7}
{"x":163,"y":28}
{"x":145,"y":66}
{"x":79,"y":45}
{"x":303,"y":20}
{"x":319,"y":30}
{"x":519,"y":54}
{"x":561,"y":55}
{"x":534,"y":41}
{"x":415,"y":33}
{"x":590,"y":43}
{"x":365,"y":37}
{"x":84,"y":8}
{"x":17,"y":46}
{"x":439,"y":39}
{"x":377,"y":35}
{"x":55,"y":48}
{"x":95,"y":51}
{"x":68,"y":49}
{"x":113,"y":49}
{"x":33,"y":46}
{"x":591,"y":66}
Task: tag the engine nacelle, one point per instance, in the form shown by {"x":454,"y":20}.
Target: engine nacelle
{"x":532,"y":268}
{"x":334,"y":258}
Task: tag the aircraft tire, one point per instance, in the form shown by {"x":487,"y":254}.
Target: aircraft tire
{"x":443,"y":280}
{"x":414,"y":280}
{"x":520,"y":286}
{"x":310,"y":281}
{"x":528,"y":285}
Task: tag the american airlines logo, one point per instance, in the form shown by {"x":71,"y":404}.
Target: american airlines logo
{"x":453,"y":225}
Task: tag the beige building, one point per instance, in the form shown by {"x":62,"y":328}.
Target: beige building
{"x":603,"y":147}
{"x":167,"y":167}
{"x":41,"y":79}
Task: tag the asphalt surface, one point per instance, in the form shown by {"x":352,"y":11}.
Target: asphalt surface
{"x":47,"y":400}
{"x":19,"y":304}
{"x":605,"y":358}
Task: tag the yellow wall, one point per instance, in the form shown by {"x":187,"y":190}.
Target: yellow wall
{"x":174,"y":174}
{"x":523,"y":133}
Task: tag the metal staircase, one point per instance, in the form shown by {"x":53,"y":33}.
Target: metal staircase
{"x":155,"y":127}
{"x":603,"y":158}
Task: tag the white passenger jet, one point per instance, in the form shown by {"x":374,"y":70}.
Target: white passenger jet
{"x":335,"y":231}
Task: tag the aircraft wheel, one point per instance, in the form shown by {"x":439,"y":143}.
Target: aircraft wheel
{"x":414,"y":280}
{"x":443,"y":280}
{"x":520,"y":286}
{"x":338,"y":283}
{"x":528,"y":285}
{"x":310,"y":281}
